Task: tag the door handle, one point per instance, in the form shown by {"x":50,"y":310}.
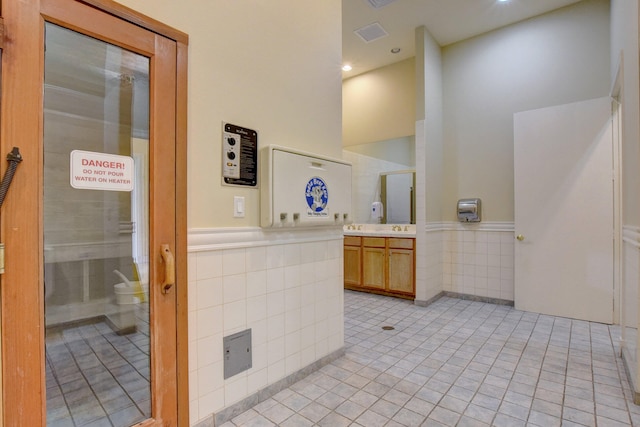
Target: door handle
{"x":169,"y":268}
{"x":520,"y":237}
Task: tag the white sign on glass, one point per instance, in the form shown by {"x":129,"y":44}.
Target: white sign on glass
{"x":100,"y":171}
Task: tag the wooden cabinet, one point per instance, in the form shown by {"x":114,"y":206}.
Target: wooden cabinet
{"x":384,"y":265}
{"x":374,"y":254}
{"x":401,"y":265}
{"x":352,"y":261}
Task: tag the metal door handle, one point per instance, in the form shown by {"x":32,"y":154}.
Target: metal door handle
{"x":520,"y":237}
{"x":169,"y":268}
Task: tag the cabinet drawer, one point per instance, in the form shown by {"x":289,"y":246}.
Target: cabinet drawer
{"x":352,"y":240}
{"x":401,"y":243}
{"x":373,"y":242}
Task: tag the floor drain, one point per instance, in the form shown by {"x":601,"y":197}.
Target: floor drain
{"x":388,"y":328}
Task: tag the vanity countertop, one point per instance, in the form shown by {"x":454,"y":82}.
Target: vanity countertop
{"x":380,"y":230}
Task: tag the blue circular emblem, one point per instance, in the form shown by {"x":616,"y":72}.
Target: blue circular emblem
{"x":317,"y":194}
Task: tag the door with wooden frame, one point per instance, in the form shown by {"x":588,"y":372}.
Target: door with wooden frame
{"x":94,"y":290}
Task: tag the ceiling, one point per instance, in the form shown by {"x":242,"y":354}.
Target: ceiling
{"x":448,"y":21}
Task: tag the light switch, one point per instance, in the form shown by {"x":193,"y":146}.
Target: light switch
{"x":238,"y":207}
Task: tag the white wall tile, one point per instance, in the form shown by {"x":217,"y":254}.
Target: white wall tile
{"x":257,"y":380}
{"x":234,"y":288}
{"x":259,"y":361}
{"x":256,"y":309}
{"x":275,"y":327}
{"x":233,"y":261}
{"x":256,"y":283}
{"x":208,"y":350}
{"x":307,"y":253}
{"x":210,"y":376}
{"x":476,"y":262}
{"x":275,"y":304}
{"x":291,"y":255}
{"x":290,"y":295}
{"x":235,"y":389}
{"x":208,"y":264}
{"x":210,"y":403}
{"x":275,"y":256}
{"x":307,"y":273}
{"x":292,"y":363}
{"x":292,"y":298}
{"x":256,"y":258}
{"x":275,"y":279}
{"x":209,"y":321}
{"x":276,"y":371}
{"x":292,"y":276}
{"x":258,"y":332}
{"x":208,"y":293}
{"x":235,"y":316}
{"x":275,"y":350}
{"x":292,"y":320}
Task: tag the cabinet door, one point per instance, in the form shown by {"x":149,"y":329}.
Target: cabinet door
{"x":373,"y":271}
{"x":401,"y":277}
{"x":352,"y":266}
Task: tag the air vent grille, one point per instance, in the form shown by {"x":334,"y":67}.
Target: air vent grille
{"x":371,"y":32}
{"x":377,"y":4}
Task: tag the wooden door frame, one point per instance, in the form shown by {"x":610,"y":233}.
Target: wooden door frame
{"x":19,"y":213}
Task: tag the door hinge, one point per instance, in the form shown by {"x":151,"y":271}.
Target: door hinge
{"x":1,"y":258}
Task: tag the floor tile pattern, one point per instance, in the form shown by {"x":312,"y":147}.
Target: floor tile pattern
{"x":458,"y":363}
{"x":96,"y":377}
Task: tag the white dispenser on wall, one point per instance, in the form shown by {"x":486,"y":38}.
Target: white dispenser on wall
{"x":376,"y":211}
{"x":300,"y":189}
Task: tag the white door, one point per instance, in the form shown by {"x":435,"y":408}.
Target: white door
{"x":564,"y":210}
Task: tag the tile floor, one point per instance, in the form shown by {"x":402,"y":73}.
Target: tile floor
{"x":96,"y":377}
{"x":458,"y":363}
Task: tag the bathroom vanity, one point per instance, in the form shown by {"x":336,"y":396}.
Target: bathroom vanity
{"x":380,"y":259}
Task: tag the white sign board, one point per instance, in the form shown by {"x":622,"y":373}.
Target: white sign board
{"x":101,"y":171}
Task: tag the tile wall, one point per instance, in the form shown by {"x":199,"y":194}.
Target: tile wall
{"x":286,"y":287}
{"x":478,"y":259}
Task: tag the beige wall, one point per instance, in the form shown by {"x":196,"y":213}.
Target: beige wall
{"x":429,"y":168}
{"x":270,"y":66}
{"x":553,"y":59}
{"x":380,"y":104}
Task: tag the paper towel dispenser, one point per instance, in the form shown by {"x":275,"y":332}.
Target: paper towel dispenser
{"x":469,"y":210}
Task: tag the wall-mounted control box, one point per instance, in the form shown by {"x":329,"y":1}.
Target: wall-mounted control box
{"x":469,"y":210}
{"x":239,"y":155}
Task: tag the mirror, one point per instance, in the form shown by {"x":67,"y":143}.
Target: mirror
{"x":369,"y":161}
{"x":397,"y":193}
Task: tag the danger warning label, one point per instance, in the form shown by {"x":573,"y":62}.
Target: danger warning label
{"x":101,"y":171}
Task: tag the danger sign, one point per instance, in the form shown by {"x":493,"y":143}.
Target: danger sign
{"x":101,"y":171}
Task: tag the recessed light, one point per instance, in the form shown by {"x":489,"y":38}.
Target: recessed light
{"x":347,"y":67}
{"x":396,"y":50}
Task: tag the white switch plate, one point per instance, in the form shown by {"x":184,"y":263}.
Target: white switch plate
{"x":238,"y":207}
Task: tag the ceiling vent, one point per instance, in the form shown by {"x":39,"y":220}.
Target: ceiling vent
{"x":371,"y":32}
{"x":377,"y":4}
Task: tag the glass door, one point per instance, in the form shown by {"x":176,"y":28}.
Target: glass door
{"x":96,"y":228}
{"x":92,"y":299}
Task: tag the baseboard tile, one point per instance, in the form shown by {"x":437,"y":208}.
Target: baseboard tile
{"x":247,"y":403}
